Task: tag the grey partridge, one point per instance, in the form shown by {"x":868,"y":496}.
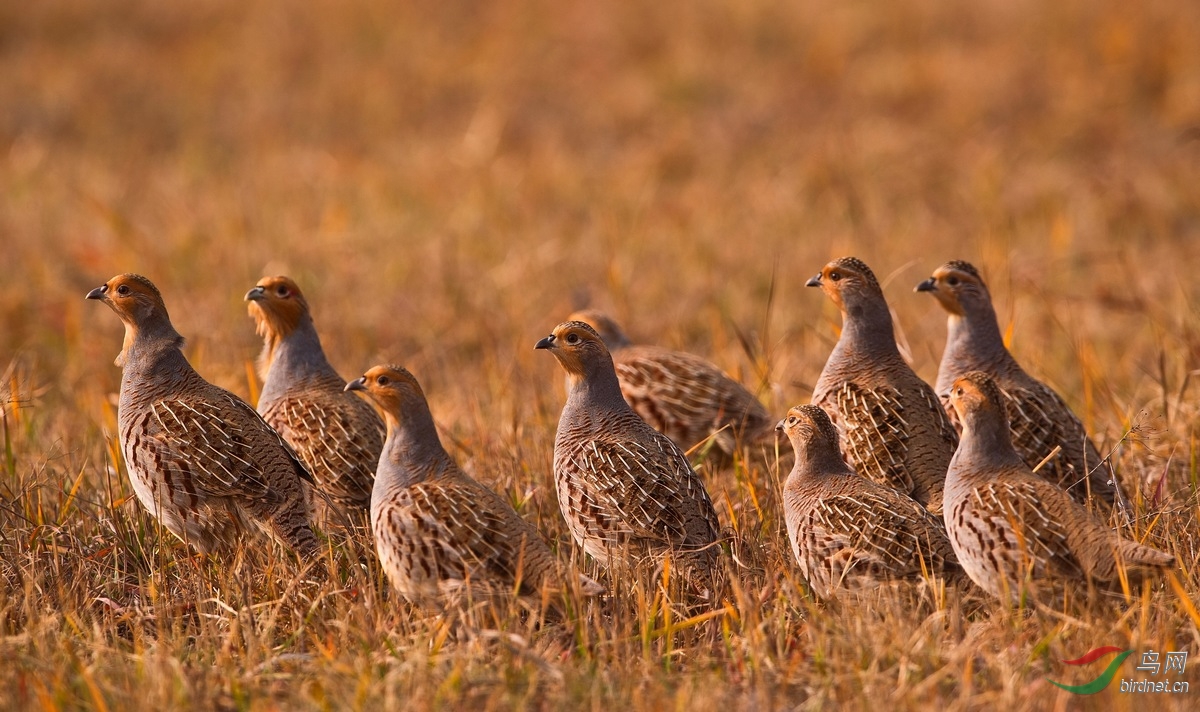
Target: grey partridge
{"x":681,"y":395}
{"x":438,"y":532}
{"x":625,"y":489}
{"x":848,"y":532}
{"x":1039,"y":419}
{"x":200,"y":458}
{"x":1012,"y":529}
{"x":894,"y":428}
{"x":338,"y":435}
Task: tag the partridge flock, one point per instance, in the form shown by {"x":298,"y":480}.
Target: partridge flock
{"x":989,"y":476}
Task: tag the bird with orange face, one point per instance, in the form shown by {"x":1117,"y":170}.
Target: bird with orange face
{"x":624,"y":488}
{"x":894,"y":428}
{"x":1013,"y":531}
{"x":1039,"y":418}
{"x":200,"y":459}
{"x":846,"y":531}
{"x":439,"y":533}
{"x":337,"y":434}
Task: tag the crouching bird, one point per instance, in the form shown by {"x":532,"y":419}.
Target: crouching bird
{"x":1012,"y":529}
{"x":848,"y":532}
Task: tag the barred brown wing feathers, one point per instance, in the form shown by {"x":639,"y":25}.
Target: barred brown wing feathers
{"x":622,"y":479}
{"x":687,"y":398}
{"x":628,"y":491}
{"x":341,"y":450}
{"x":1035,"y":433}
{"x":449,"y":532}
{"x":943,"y":423}
{"x":888,"y":539}
{"x":211,"y":446}
{"x":876,"y":433}
{"x":1026,"y":532}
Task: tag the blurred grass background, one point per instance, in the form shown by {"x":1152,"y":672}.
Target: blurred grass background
{"x":446,"y":181}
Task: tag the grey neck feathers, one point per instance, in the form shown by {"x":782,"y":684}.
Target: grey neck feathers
{"x":815,"y":457}
{"x":598,"y":389}
{"x":973,"y":342}
{"x":298,"y":356}
{"x":153,"y":351}
{"x":413,"y":451}
{"x":986,"y":442}
{"x":867,"y":327}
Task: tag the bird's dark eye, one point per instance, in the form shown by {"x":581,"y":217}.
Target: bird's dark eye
{"x":835,"y":276}
{"x":383,"y":380}
{"x":572,"y":338}
{"x":123,"y":289}
{"x":953,"y":281}
{"x":791,"y":420}
{"x":282,"y":291}
{"x":958,"y":392}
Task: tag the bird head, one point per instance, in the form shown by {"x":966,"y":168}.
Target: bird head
{"x":140,"y":306}
{"x":577,"y":347}
{"x":277,"y":306}
{"x":810,"y":430}
{"x":134,"y":298}
{"x":976,"y":395}
{"x":957,"y":286}
{"x":609,"y":330}
{"x":392,"y":387}
{"x":848,"y":282}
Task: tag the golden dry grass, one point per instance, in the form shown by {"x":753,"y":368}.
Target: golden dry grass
{"x":448,"y":180}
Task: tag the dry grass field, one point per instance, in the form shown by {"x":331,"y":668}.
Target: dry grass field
{"x":447,"y":180}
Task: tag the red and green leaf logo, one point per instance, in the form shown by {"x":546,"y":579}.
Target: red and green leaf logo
{"x":1106,"y":677}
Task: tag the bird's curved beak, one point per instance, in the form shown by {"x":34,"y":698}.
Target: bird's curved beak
{"x":929,"y":285}
{"x":779,"y":426}
{"x":358,"y":384}
{"x":546,"y":343}
{"x":814,"y":282}
{"x":98,"y":292}
{"x":256,"y":294}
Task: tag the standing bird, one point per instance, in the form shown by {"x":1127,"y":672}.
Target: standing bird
{"x":895,"y":429}
{"x":1039,"y":419}
{"x":337,"y":434}
{"x":680,"y":395}
{"x":1010,"y":527}
{"x":847,"y":531}
{"x":200,"y":459}
{"x":438,"y":532}
{"x":623,"y":487}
